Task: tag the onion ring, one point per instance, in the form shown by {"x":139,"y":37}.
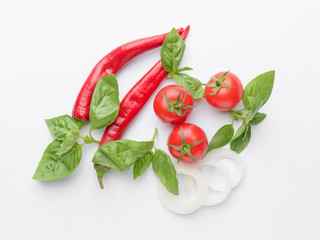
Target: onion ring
{"x":191,"y":202}
{"x":223,"y":153}
{"x":223,"y":192}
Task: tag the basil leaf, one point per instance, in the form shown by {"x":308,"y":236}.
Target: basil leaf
{"x":258,"y":117}
{"x":60,"y":126}
{"x":221,"y":138}
{"x":142,"y":164}
{"x":255,"y":104}
{"x":240,"y":131}
{"x":164,"y":169}
{"x":192,"y":84}
{"x":52,"y":166}
{"x":241,"y":141}
{"x":79,"y":122}
{"x":69,"y":140}
{"x":121,"y":154}
{"x":105,"y":102}
{"x":260,"y":87}
{"x":172,"y":51}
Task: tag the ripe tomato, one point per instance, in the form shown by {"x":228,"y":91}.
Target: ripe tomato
{"x":189,"y":147}
{"x":179,"y":101}
{"x":225,"y":98}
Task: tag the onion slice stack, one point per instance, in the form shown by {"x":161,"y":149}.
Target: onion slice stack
{"x":196,"y":182}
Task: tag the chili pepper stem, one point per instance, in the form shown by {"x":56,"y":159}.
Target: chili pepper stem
{"x":101,"y":182}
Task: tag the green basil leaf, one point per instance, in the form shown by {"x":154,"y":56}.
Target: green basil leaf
{"x":60,"y":126}
{"x":79,"y":122}
{"x":164,"y":169}
{"x":142,"y":164}
{"x":240,"y":131}
{"x":69,"y":140}
{"x":260,"y":87}
{"x":221,"y":138}
{"x":172,"y":51}
{"x":241,"y":141}
{"x":258,"y":117}
{"x":192,"y":84}
{"x":105,"y":102}
{"x":121,"y":154}
{"x":255,"y":104}
{"x":52,"y":166}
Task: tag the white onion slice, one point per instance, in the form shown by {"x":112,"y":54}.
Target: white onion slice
{"x":190,"y":202}
{"x":223,"y":153}
{"x":222,"y":191}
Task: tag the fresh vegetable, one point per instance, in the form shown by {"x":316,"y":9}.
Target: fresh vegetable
{"x":186,"y":203}
{"x":197,"y":182}
{"x":173,"y":104}
{"x":223,"y":154}
{"x":224,"y":91}
{"x":135,"y":99}
{"x":111,"y":64}
{"x":187,"y":143}
{"x":255,"y":95}
{"x":221,"y":190}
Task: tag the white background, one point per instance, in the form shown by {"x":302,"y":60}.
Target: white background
{"x":47,"y":49}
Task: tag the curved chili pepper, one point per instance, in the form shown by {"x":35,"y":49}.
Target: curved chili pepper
{"x":135,"y":99}
{"x":111,"y":64}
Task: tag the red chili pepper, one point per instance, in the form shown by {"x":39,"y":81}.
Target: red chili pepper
{"x":135,"y":99}
{"x":111,"y":64}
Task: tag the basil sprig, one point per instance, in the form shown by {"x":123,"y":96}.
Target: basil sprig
{"x":171,"y":54}
{"x":66,"y":129}
{"x":255,"y":95}
{"x":121,"y":154}
{"x":63,"y":155}
{"x":105,"y":103}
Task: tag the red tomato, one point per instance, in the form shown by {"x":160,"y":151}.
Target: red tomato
{"x":192,"y":134}
{"x":226,"y":98}
{"x":172,"y":93}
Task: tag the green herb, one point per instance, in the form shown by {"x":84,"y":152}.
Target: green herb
{"x":257,"y":118}
{"x":241,"y":139}
{"x":164,"y":169}
{"x":142,"y":164}
{"x":60,"y":126}
{"x":192,"y":84}
{"x":69,"y":140}
{"x":171,"y":54}
{"x":105,"y":103}
{"x":221,"y":138}
{"x":172,"y":51}
{"x":121,"y":154}
{"x":79,"y":122}
{"x":260,"y":87}
{"x":52,"y":166}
